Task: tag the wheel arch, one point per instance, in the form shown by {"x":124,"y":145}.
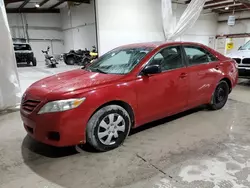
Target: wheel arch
{"x":124,"y":105}
{"x":228,"y":82}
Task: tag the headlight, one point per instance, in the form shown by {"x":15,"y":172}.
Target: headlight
{"x":61,"y":105}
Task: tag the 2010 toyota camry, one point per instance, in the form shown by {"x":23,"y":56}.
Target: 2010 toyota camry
{"x":125,"y":88}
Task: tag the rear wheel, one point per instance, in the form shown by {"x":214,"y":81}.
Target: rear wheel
{"x":34,"y":62}
{"x":220,"y":96}
{"x":108,"y":128}
{"x":70,"y":60}
{"x":53,"y":65}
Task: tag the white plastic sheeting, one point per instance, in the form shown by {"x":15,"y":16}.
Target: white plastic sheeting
{"x":172,"y":30}
{"x":9,"y":82}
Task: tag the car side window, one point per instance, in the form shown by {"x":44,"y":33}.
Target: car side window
{"x":198,"y":55}
{"x":169,"y":58}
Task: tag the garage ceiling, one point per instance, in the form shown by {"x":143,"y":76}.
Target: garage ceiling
{"x":53,"y":6}
{"x":45,"y":6}
{"x":225,"y":6}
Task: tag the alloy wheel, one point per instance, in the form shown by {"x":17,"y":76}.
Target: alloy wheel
{"x":111,"y":127}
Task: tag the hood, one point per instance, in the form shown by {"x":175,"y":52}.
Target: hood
{"x":240,"y":54}
{"x":69,"y":82}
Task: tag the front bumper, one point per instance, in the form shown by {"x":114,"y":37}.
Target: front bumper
{"x":58,"y":129}
{"x":244,"y":72}
{"x":24,"y":57}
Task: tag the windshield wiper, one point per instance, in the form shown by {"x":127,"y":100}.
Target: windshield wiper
{"x":99,"y":70}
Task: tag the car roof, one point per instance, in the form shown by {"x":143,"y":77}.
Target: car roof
{"x":157,"y":44}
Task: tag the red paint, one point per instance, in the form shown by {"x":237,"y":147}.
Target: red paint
{"x":151,"y":98}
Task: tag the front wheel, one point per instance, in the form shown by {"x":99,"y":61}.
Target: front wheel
{"x":220,"y":96}
{"x":34,"y":62}
{"x":108,"y":128}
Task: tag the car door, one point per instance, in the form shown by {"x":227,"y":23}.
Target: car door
{"x":164,"y":93}
{"x":203,"y":70}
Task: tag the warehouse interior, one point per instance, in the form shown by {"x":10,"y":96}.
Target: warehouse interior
{"x":195,"y":148}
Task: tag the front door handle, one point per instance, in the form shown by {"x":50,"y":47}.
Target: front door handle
{"x":183,"y":75}
{"x":217,"y":67}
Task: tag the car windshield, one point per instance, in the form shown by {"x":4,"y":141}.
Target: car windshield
{"x":119,"y":61}
{"x":246,"y":46}
{"x":19,"y":47}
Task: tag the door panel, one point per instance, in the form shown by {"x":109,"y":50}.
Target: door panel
{"x":202,"y":79}
{"x":161,"y":95}
{"x":203,"y":70}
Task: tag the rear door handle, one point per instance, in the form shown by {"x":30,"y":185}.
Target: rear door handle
{"x":183,"y":75}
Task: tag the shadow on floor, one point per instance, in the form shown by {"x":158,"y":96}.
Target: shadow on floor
{"x":19,"y":65}
{"x":35,"y":147}
{"x":30,"y":146}
{"x":166,"y":120}
{"x":8,"y":111}
{"x":86,"y":168}
{"x":244,"y":82}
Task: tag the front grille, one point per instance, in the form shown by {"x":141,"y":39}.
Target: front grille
{"x":238,"y":60}
{"x":30,"y":105}
{"x":246,"y":61}
{"x":22,"y":57}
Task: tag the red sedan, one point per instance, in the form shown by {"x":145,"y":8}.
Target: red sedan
{"x":126,"y":88}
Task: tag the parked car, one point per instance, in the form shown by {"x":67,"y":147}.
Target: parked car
{"x":123,"y":89}
{"x":24,"y":54}
{"x":242,"y":57}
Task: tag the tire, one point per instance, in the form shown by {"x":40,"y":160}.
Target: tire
{"x":53,"y":65}
{"x":108,"y":128}
{"x":220,"y":96}
{"x":34,"y":62}
{"x":70,"y":60}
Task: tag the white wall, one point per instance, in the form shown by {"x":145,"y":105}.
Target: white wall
{"x":43,"y":30}
{"x":132,"y":21}
{"x":241,"y":26}
{"x":72,"y":29}
{"x":203,"y":31}
{"x":128,"y":21}
{"x":78,"y":25}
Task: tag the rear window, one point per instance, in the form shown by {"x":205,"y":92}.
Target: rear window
{"x":19,"y":47}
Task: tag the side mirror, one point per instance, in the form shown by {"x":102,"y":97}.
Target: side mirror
{"x":240,"y":48}
{"x":151,"y":69}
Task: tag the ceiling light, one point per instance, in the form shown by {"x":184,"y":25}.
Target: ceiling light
{"x":37,"y":5}
{"x":226,"y":8}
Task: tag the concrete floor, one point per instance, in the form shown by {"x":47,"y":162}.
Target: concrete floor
{"x":195,"y":149}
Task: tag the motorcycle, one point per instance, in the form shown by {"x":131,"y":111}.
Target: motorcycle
{"x":50,"y":61}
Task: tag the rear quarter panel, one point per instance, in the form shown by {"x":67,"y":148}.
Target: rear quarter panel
{"x":228,"y":69}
